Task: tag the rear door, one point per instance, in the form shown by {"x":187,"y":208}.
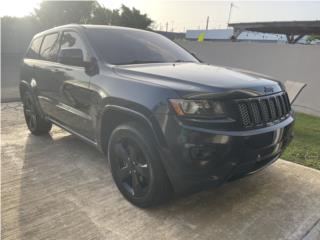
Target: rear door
{"x":45,"y":73}
{"x":27,"y":72}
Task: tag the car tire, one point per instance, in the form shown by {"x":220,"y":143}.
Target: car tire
{"x":35,"y":122}
{"x":136,"y":166}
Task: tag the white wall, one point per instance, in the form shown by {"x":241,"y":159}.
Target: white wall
{"x":299,"y":63}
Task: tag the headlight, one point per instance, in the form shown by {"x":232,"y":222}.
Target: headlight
{"x":201,"y":108}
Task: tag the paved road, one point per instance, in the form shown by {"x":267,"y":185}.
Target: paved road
{"x":57,"y":187}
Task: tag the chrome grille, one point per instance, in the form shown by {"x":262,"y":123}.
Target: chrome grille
{"x":262,"y":110}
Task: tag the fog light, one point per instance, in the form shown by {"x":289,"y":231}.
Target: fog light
{"x":201,"y":153}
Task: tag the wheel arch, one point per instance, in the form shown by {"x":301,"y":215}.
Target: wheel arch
{"x":114,"y":115}
{"x":23,"y":87}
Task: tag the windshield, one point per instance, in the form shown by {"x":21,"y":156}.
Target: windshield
{"x":124,"y":46}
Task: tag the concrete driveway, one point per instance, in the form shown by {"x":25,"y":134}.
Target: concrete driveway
{"x":57,"y":187}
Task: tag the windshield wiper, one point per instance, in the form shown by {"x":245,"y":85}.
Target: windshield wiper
{"x":139,"y":62}
{"x":179,"y":60}
{"x":142,"y":62}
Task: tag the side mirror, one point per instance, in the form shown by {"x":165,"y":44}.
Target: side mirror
{"x":71,"y":56}
{"x":91,"y":67}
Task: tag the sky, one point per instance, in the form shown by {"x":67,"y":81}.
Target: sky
{"x":181,"y":15}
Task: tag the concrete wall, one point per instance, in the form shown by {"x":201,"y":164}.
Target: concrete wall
{"x":283,"y":61}
{"x":10,"y":75}
{"x":16,"y":35}
{"x":299,"y":63}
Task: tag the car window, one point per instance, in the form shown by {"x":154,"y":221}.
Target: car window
{"x":72,"y":40}
{"x":50,"y":47}
{"x":33,"y":51}
{"x":133,"y":47}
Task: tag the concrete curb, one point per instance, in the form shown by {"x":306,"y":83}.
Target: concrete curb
{"x":10,"y":100}
{"x":314,"y":232}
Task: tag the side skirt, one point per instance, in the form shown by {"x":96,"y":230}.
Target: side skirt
{"x":95,"y":144}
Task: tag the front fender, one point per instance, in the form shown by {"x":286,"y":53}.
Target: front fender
{"x":139,"y":113}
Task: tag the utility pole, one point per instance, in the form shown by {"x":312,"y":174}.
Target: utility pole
{"x":232,"y":5}
{"x":207,"y":25}
{"x":230,"y":11}
{"x":167,"y":24}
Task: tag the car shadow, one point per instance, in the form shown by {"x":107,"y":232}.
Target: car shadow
{"x":66,"y":184}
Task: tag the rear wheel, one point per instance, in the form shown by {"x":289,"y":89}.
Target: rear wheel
{"x":136,"y":166}
{"x":35,"y":122}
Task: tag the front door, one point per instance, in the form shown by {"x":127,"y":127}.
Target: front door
{"x":73,"y":92}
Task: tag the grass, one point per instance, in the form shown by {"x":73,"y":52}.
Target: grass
{"x":305,"y":146}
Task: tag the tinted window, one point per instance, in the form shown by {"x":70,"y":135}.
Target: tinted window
{"x":120,"y":46}
{"x":33,"y":51}
{"x":72,"y":40}
{"x":50,"y":47}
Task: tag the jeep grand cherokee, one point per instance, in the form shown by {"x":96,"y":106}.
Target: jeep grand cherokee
{"x":167,"y":122}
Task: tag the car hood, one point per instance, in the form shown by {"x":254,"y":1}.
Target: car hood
{"x":198,"y":79}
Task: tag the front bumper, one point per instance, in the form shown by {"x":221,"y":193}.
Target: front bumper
{"x":195,"y":157}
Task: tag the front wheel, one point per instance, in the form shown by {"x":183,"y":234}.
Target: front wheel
{"x":35,"y":122}
{"x":136,"y":166}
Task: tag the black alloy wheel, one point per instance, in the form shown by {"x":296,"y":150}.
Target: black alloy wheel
{"x":36,"y":124}
{"x":30,"y":113}
{"x":132,"y":168}
{"x":136,"y":166}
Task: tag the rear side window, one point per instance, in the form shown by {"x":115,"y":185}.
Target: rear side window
{"x":33,"y":51}
{"x":50,"y":47}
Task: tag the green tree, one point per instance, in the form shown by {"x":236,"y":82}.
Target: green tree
{"x":116,"y":19}
{"x":55,"y":13}
{"x":101,"y":15}
{"x":313,"y":38}
{"x":120,"y":17}
{"x":133,"y":18}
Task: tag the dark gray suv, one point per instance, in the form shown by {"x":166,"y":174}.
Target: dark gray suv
{"x":167,"y":122}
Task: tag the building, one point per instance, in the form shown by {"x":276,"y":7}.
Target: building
{"x":280,"y":32}
{"x":226,"y":35}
